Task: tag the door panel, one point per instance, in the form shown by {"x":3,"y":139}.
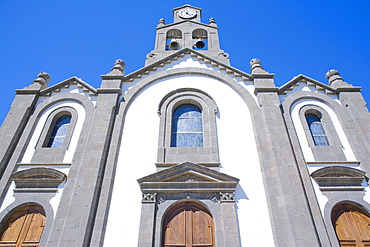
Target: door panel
{"x":352,"y":226}
{"x":24,"y":228}
{"x":188,"y":225}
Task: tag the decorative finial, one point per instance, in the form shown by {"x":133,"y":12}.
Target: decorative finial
{"x":43,"y":79}
{"x":212,"y":20}
{"x":256,"y":66}
{"x":254,"y":61}
{"x":161,"y":21}
{"x":118,"y":67}
{"x":335,"y":80}
{"x":331,"y":72}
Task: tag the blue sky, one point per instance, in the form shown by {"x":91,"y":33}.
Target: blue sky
{"x":84,"y":38}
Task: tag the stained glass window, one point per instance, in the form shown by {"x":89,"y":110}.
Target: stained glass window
{"x":317,"y":130}
{"x":59,"y":132}
{"x":187,"y":128}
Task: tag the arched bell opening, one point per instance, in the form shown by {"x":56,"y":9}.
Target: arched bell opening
{"x":174,"y":39}
{"x":200,"y":39}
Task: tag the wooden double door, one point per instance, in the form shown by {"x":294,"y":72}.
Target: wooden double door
{"x":188,"y":225}
{"x":352,"y":226}
{"x":24,"y":228}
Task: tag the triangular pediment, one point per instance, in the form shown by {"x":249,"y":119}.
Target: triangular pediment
{"x":188,"y":176}
{"x":302,"y":79}
{"x":73,"y":81}
{"x":180,"y":54}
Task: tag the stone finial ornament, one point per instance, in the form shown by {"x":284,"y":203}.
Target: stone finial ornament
{"x":254,"y":61}
{"x":335,"y":80}
{"x":331,"y":73}
{"x":118,"y":67}
{"x":162,"y":21}
{"x":43,"y":79}
{"x":256,"y":66}
{"x":212,"y":20}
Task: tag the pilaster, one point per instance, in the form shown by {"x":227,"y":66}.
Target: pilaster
{"x":147,"y":220}
{"x":291,"y":218}
{"x":86,"y":188}
{"x":18,"y":116}
{"x":358,"y":130}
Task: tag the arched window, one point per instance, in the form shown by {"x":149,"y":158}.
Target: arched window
{"x":187,"y":128}
{"x":317,"y":130}
{"x":188,"y":225}
{"x":351,"y":225}
{"x":24,"y":227}
{"x":59,"y":132}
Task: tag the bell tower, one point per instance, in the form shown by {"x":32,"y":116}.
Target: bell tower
{"x":187,"y":31}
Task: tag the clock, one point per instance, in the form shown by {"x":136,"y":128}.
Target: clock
{"x":187,"y":13}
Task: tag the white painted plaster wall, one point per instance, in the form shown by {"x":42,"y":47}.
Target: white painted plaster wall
{"x":54,"y":201}
{"x":307,"y":152}
{"x":70,"y":89}
{"x":303,"y":87}
{"x":81,"y":113}
{"x":238,"y":156}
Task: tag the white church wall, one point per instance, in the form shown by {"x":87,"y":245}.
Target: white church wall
{"x":31,"y":147}
{"x":238,"y":156}
{"x":307,"y":152}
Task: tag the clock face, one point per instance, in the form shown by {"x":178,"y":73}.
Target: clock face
{"x":187,"y":13}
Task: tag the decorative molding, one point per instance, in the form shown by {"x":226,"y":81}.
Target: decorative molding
{"x":339,"y":178}
{"x":161,"y":198}
{"x":215,"y":199}
{"x":149,"y":197}
{"x":176,"y":180}
{"x":38,"y":179}
{"x":227,"y":197}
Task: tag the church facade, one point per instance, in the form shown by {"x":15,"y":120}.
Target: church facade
{"x":186,"y":151}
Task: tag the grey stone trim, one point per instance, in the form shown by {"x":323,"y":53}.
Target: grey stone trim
{"x":224,"y":216}
{"x":12,"y":165}
{"x":206,"y":154}
{"x":66,"y":83}
{"x":349,"y":163}
{"x":149,"y":198}
{"x":187,"y":27}
{"x":334,"y":176}
{"x":86,"y":185}
{"x":347,"y":126}
{"x":38,"y":178}
{"x":346,"y":122}
{"x":109,"y":90}
{"x":294,"y":212}
{"x":341,"y":198}
{"x":42,"y":152}
{"x":215,"y":166}
{"x":181,"y":53}
{"x":188,"y":177}
{"x":14,"y":125}
{"x":227,"y":197}
{"x":357,"y":129}
{"x":188,"y":182}
{"x":332,"y":152}
{"x":328,"y":89}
